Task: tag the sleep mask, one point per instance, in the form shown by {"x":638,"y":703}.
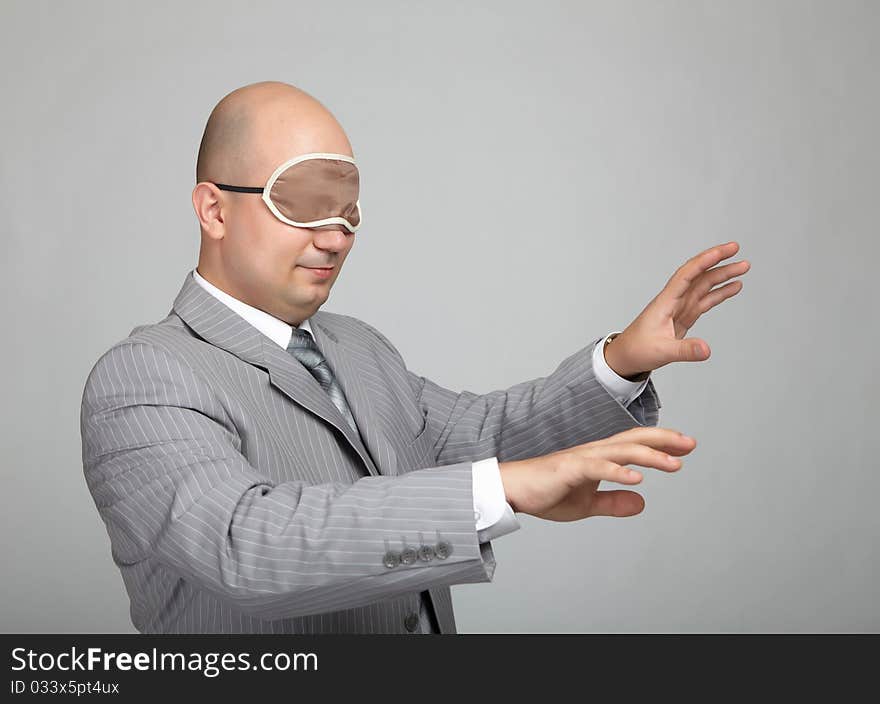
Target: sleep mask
{"x":310,"y":190}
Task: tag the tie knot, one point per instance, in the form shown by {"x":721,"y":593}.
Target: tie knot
{"x":300,"y":338}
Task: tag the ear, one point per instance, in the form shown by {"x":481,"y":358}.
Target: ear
{"x":209,"y":205}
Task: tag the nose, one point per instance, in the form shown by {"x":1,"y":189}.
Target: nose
{"x":334,"y":238}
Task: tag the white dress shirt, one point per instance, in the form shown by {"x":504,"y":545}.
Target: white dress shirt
{"x":493,"y":515}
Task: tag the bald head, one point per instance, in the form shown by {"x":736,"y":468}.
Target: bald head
{"x":256,"y":127}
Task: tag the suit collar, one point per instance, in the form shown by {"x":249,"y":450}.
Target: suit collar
{"x":274,"y":328}
{"x":219,"y":325}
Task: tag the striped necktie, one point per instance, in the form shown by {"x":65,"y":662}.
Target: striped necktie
{"x":303,"y":347}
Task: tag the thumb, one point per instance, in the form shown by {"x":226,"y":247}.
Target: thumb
{"x":690,"y":349}
{"x":616,"y":502}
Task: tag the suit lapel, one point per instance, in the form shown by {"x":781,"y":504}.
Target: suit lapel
{"x":220,"y":326}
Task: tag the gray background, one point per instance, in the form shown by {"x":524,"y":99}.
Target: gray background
{"x":557,"y":162}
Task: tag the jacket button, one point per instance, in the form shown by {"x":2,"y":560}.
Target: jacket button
{"x":391,"y":559}
{"x":411,"y":622}
{"x":426,"y":553}
{"x":408,"y":556}
{"x":443,"y":549}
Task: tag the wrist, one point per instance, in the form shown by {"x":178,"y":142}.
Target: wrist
{"x":611,"y":354}
{"x":507,"y":470}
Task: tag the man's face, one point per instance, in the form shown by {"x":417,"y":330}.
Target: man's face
{"x":276,"y":266}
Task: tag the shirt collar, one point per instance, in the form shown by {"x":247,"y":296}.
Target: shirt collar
{"x":274,"y":328}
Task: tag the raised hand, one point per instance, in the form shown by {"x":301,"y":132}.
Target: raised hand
{"x":657,"y":336}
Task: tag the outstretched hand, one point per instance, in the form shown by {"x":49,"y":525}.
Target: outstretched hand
{"x":564,"y":485}
{"x":657,"y":336}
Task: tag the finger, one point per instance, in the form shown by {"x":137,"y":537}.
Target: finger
{"x":690,"y":349}
{"x":624,"y":453}
{"x":617,"y":502}
{"x":720,"y":274}
{"x":664,"y":439}
{"x":716,"y":295}
{"x":580,"y":469}
{"x":685,"y":275}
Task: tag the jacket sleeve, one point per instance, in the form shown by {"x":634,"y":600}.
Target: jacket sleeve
{"x":164,"y":465}
{"x":568,"y":407}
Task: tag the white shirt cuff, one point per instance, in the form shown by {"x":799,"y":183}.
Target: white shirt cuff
{"x":622,"y":389}
{"x":493,"y":515}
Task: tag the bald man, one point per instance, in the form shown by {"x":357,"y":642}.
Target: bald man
{"x":264,"y":466}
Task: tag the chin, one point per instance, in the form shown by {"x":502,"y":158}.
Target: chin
{"x":318,"y":299}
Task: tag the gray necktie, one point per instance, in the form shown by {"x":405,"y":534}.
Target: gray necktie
{"x":303,"y":347}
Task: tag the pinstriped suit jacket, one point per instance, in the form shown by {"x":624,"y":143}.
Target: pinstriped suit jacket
{"x":238,"y":499}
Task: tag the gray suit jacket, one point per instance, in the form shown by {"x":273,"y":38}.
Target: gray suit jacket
{"x":238,"y":499}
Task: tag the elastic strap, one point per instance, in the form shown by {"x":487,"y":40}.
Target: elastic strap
{"x":239,"y":189}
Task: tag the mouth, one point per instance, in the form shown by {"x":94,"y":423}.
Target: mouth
{"x":321,"y":271}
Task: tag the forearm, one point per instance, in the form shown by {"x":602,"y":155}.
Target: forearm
{"x":569,"y":406}
{"x":292,"y":550}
